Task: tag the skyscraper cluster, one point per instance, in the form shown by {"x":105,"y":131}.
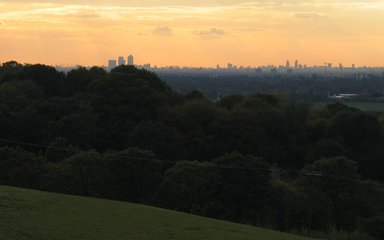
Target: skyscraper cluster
{"x":112,"y":63}
{"x":288,"y":65}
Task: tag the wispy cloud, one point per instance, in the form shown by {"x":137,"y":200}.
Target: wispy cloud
{"x":211,"y":33}
{"x":308,"y":15}
{"x":44,"y":9}
{"x":116,"y":10}
{"x":163,"y":31}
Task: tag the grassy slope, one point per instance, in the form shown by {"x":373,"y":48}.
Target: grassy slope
{"x":28,"y":214}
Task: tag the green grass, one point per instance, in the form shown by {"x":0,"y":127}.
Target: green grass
{"x":363,"y":106}
{"x":367,"y":106}
{"x":28,"y":214}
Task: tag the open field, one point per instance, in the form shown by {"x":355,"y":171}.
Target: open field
{"x":364,"y":106}
{"x":27,"y":214}
{"x":367,"y":106}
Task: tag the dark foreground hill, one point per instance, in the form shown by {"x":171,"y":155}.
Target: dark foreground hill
{"x":27,"y":214}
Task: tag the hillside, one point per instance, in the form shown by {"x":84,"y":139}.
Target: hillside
{"x":27,"y":214}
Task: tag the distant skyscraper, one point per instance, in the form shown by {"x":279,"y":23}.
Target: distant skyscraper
{"x":111,"y":63}
{"x":121,"y":61}
{"x":296,"y":63}
{"x":287,"y":65}
{"x":130,"y":60}
{"x":230,"y":66}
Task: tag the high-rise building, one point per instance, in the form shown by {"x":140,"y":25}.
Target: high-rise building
{"x":296,"y":63}
{"x":111,"y":63}
{"x":229,"y":66}
{"x":130,"y":60}
{"x":121,"y":61}
{"x":287,"y":65}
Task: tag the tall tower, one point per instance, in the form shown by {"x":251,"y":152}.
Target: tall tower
{"x":287,"y":65}
{"x":130,"y":60}
{"x":296,"y":63}
{"x":121,"y":61}
{"x":111,"y":63}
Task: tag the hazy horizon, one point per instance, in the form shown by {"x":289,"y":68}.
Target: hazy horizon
{"x":192,"y":33}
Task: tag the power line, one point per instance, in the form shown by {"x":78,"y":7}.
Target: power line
{"x":37,"y":145}
{"x":125,"y":157}
{"x":317,"y":174}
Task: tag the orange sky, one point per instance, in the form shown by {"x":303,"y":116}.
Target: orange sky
{"x":193,"y":32}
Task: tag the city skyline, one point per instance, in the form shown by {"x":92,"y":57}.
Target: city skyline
{"x":193,"y":33}
{"x":289,"y":63}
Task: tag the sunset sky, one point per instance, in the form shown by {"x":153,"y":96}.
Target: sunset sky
{"x":192,"y":32}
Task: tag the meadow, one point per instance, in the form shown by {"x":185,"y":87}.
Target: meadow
{"x":28,"y":214}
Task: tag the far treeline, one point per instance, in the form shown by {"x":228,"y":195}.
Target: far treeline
{"x":311,"y":89}
{"x":262,"y":159}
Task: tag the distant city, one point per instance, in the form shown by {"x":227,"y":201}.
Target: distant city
{"x":294,"y":69}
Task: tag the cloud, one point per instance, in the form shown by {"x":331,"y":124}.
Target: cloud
{"x":211,"y":33}
{"x":308,"y":15}
{"x":163,"y":31}
{"x":87,"y":14}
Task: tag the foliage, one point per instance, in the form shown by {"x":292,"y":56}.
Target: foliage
{"x":332,"y":183}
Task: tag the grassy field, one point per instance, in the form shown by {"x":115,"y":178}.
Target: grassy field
{"x":364,"y":106}
{"x":27,"y":214}
{"x":367,"y":106}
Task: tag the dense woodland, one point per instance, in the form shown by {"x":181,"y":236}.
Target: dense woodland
{"x":261,"y":159}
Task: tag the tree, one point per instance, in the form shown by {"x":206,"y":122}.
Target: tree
{"x":20,"y":168}
{"x":11,"y":71}
{"x":78,"y":79}
{"x":85,"y":173}
{"x":332,"y":183}
{"x":192,"y":187}
{"x":244,"y":186}
{"x":20,"y":94}
{"x":159,"y":138}
{"x":135,"y":175}
{"x":229,"y":102}
{"x":59,"y":149}
{"x":325,"y":148}
{"x":46,"y":77}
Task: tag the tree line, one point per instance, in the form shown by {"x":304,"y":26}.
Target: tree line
{"x":311,"y":89}
{"x":261,"y":159}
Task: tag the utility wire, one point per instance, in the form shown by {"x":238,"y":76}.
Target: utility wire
{"x":158,"y":161}
{"x":122,"y":156}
